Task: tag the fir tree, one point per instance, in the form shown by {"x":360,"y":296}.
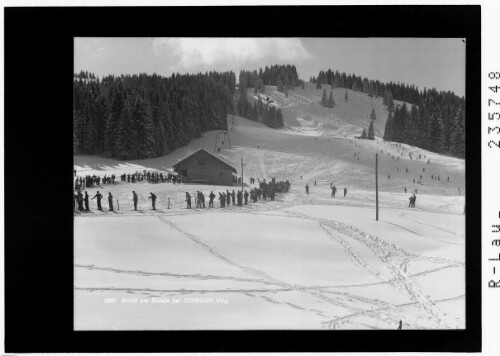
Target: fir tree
{"x":279,"y":118}
{"x":436,"y":137}
{"x":363,"y":134}
{"x":457,"y":139}
{"x":390,"y":102}
{"x":331,"y":102}
{"x":125,"y":144}
{"x":324,"y":100}
{"x":373,"y":117}
{"x":371,"y":131}
{"x":388,"y":127}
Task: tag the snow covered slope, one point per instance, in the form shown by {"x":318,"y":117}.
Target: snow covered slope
{"x":303,"y":112}
{"x":304,"y":261}
{"x":344,"y":161}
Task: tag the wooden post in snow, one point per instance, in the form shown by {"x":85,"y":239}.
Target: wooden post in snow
{"x":168,"y":203}
{"x":242,"y":174}
{"x":376,"y":186}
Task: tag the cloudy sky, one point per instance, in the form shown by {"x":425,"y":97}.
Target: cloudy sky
{"x":438,"y":63}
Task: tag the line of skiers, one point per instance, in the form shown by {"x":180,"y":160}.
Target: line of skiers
{"x":91,"y":181}
{"x":82,"y":201}
{"x":151,"y":177}
{"x":240,"y":198}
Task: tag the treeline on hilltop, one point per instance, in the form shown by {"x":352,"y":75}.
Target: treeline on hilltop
{"x":282,"y":76}
{"x":266,"y":113}
{"x":423,"y":126}
{"x":145,"y":116}
{"x":435,"y":119}
{"x":84,"y":75}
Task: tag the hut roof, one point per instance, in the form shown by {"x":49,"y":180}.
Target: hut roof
{"x":210,"y":154}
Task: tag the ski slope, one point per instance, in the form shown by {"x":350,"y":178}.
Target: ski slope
{"x":300,"y":262}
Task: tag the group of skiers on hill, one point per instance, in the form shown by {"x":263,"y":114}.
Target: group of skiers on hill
{"x":150,"y":177}
{"x":82,"y":201}
{"x":240,"y":198}
{"x":264,"y":190}
{"x":413,"y":198}
{"x":332,"y":187}
{"x":89,"y":181}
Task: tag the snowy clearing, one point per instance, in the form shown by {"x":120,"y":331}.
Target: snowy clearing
{"x":304,"y":261}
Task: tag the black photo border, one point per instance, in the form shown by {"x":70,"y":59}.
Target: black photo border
{"x":38,"y":164}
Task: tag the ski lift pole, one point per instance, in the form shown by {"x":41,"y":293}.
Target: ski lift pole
{"x":376,"y":186}
{"x":242,"y":174}
{"x":168,"y":207}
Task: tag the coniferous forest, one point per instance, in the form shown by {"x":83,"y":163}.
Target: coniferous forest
{"x":280,"y":75}
{"x":145,"y":116}
{"x":433,"y":120}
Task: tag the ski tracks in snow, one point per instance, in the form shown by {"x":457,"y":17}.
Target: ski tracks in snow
{"x":393,"y":257}
{"x":338,"y":300}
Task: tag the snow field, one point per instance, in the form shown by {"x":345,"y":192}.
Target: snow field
{"x":300,"y":262}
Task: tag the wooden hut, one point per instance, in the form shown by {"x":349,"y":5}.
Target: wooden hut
{"x":205,"y":168}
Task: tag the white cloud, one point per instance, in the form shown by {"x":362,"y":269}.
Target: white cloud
{"x":198,"y":52}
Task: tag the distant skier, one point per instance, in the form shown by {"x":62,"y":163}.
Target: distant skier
{"x":405,"y":190}
{"x":228,"y":198}
{"x":307,"y":188}
{"x":233,"y":197}
{"x":202,"y":200}
{"x":86,"y":200}
{"x":153,"y":200}
{"x":334,"y":190}
{"x":79,"y":199}
{"x":197,"y":199}
{"x":99,"y":197}
{"x":211,"y":201}
{"x":345,"y":191}
{"x":188,"y":201}
{"x":314,"y":183}
{"x":400,"y":327}
{"x":412,"y":201}
{"x":135,"y":199}
{"x":110,"y":201}
{"x":239,"y":198}
{"x":246,"y":197}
